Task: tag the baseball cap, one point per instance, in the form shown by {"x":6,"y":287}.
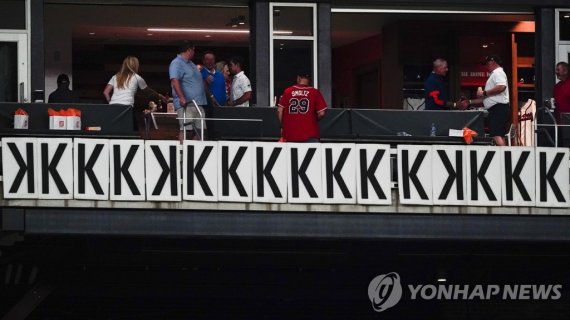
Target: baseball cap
{"x":492,"y":57}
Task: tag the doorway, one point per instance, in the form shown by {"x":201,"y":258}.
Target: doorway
{"x":13,"y":68}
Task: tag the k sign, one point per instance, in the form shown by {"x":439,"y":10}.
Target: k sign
{"x":518,"y":177}
{"x":55,"y":176}
{"x":552,"y":177}
{"x":127,"y":162}
{"x":19,"y":168}
{"x":234,"y":171}
{"x":163,"y":170}
{"x":200,"y":164}
{"x":304,"y":180}
{"x":269,"y":172}
{"x":484,"y":176}
{"x":339,"y":173}
{"x":449,"y":178}
{"x":91,"y":169}
{"x":414,"y":174}
{"x":373,"y":178}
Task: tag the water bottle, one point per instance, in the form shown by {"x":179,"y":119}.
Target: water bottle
{"x":433,"y":130}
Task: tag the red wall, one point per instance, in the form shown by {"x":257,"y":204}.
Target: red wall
{"x":346,"y":60}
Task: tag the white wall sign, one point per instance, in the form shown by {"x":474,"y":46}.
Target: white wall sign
{"x":127,"y":164}
{"x":552,"y":184}
{"x":484,"y":176}
{"x":269,"y":172}
{"x":163,"y":170}
{"x":91,"y":169}
{"x":414,"y":174}
{"x":19,"y":168}
{"x":304,"y":180}
{"x":339,"y":173}
{"x":518,"y":183}
{"x":200,"y":168}
{"x":55,"y":168}
{"x":269,"y":163}
{"x":449,"y":176}
{"x":234,"y":171}
{"x":373,"y":176}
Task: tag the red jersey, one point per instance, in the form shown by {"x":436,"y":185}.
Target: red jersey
{"x":300,"y":105}
{"x":562,"y":97}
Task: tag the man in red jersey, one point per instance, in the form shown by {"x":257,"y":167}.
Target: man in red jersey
{"x":562,"y":90}
{"x":300,"y":108}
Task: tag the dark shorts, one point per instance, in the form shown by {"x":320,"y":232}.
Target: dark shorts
{"x":499,"y":119}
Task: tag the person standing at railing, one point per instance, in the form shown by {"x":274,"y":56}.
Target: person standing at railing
{"x":240,"y":90}
{"x":63,"y":94}
{"x":187,"y":85}
{"x":437,"y":95}
{"x":561,"y":91}
{"x":299,"y":110}
{"x":224,"y":69}
{"x":123,"y":86}
{"x":495,"y":99}
{"x":215,"y":83}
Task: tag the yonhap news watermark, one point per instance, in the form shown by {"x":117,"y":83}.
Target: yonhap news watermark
{"x":386,"y":290}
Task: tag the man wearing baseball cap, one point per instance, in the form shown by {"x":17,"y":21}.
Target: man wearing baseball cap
{"x":495,"y":99}
{"x":300,"y":108}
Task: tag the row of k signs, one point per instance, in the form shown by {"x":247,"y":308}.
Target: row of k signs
{"x":138,"y":170}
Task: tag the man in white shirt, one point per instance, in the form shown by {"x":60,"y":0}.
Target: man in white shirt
{"x":240,"y":90}
{"x":495,"y":99}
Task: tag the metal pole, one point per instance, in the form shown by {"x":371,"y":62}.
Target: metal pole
{"x":201,"y":120}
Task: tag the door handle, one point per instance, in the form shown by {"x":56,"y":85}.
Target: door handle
{"x":21,"y":98}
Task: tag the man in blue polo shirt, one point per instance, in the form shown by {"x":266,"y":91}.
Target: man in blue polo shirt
{"x":214,"y":81}
{"x":435,"y":87}
{"x":187,"y":85}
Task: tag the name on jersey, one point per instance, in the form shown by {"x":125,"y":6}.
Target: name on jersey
{"x":300,"y":93}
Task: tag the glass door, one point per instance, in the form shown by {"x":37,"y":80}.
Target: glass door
{"x":292,"y":46}
{"x":14,"y":85}
{"x":562,"y":28}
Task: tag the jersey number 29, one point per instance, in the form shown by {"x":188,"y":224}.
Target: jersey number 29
{"x":298,"y":105}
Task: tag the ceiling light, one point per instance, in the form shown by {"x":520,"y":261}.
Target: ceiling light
{"x":352,"y":10}
{"x":285,"y":32}
{"x":441,"y":280}
{"x":149,"y":34}
{"x":91,"y":33}
{"x":484,"y":46}
{"x":207,"y":36}
{"x":197,"y":30}
{"x":567,"y":15}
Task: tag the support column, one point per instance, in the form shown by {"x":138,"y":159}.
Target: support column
{"x":37,"y":67}
{"x":544,"y":68}
{"x":545,"y":53}
{"x":259,"y":52}
{"x":324,"y":43}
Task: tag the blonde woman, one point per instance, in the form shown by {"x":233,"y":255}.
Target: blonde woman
{"x":125,"y":84}
{"x":224,"y":68}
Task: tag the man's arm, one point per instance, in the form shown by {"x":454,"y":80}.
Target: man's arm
{"x":246,"y":97}
{"x":491,"y":92}
{"x":321,"y":114}
{"x":280,"y":113}
{"x":176,"y":86}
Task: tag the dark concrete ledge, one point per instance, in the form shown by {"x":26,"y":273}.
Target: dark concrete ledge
{"x":309,"y":225}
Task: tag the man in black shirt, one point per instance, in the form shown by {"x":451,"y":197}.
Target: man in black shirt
{"x":62,"y":94}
